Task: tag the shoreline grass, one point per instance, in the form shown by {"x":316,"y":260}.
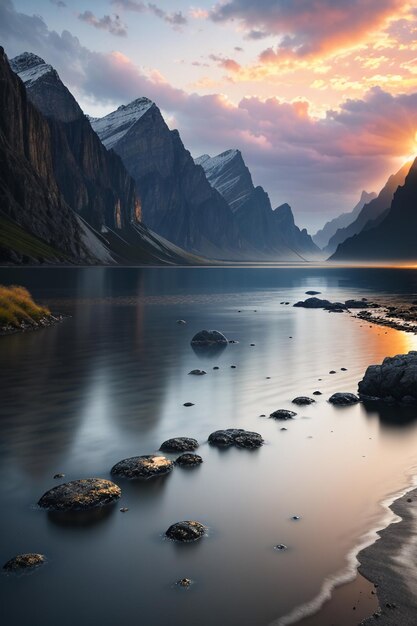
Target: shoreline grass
{"x":17,"y":307}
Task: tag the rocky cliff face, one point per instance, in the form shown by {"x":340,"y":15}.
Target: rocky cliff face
{"x":177,"y":200}
{"x":273,"y":234}
{"x":36,"y":222}
{"x":92,"y":180}
{"x":371,"y":213}
{"x":392,"y":238}
{"x":323,"y":236}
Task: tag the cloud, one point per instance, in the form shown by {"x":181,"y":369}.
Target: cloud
{"x":112,"y":24}
{"x":228,"y":64}
{"x":175,"y":19}
{"x":319,"y":165}
{"x":198,"y":14}
{"x":305,"y":28}
{"x":58,"y":3}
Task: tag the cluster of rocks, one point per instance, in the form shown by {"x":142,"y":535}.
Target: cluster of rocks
{"x":29,"y":325}
{"x":335,"y":307}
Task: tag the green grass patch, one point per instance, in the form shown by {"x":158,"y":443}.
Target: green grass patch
{"x":14,"y":237}
{"x":17,"y":306}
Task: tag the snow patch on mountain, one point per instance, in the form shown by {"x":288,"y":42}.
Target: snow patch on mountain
{"x":29,"y":67}
{"x":115,"y":125}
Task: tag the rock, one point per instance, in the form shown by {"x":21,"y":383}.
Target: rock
{"x":343,"y":399}
{"x":181,"y":322}
{"x":236,"y":437}
{"x":280,"y":546}
{"x":303,"y":400}
{"x":283,"y":414}
{"x":179,"y":444}
{"x":356,"y":304}
{"x":395,"y":380}
{"x":233,"y":341}
{"x":317,"y":393}
{"x":185,"y":531}
{"x":184,"y":582}
{"x":197,"y":372}
{"x":188,"y":460}
{"x":216,"y":367}
{"x":343,"y":369}
{"x":124,"y":509}
{"x":188,"y":404}
{"x":332,"y":372}
{"x":80,"y":495}
{"x":233,"y":367}
{"x":208,"y":338}
{"x":23,"y":562}
{"x":295,"y":518}
{"x":146,"y":466}
{"x":283,"y":428}
{"x":56,"y":476}
{"x":312,"y":293}
{"x":318,"y":303}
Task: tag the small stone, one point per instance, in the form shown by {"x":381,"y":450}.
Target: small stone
{"x":124,"y":509}
{"x":23,"y":562}
{"x":208,"y":337}
{"x":147,"y":466}
{"x":283,"y":428}
{"x":188,"y":460}
{"x":233,"y":341}
{"x":184,"y":582}
{"x":343,"y":369}
{"x":181,"y":322}
{"x":179,"y":444}
{"x":317,"y":393}
{"x":56,"y":476}
{"x":295,"y":518}
{"x":252,"y":344}
{"x":332,"y":372}
{"x":216,"y":367}
{"x":236,"y":437}
{"x":186,"y":531}
{"x":303,"y":400}
{"x":283,"y":414}
{"x":233,"y":367}
{"x":280,"y":546}
{"x":188,"y":404}
{"x":343,"y":399}
{"x":80,"y":495}
{"x":409,"y":500}
{"x":197,"y":372}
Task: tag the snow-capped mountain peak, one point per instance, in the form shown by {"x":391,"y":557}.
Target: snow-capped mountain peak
{"x":112,"y":127}
{"x":30,"y":67}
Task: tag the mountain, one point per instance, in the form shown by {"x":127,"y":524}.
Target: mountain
{"x":37,"y":225}
{"x":369,"y":218}
{"x":272,"y":233}
{"x":323,"y":236}
{"x":295,"y":238}
{"x":92,"y":180}
{"x":177,"y":200}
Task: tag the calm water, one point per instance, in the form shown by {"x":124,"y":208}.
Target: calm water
{"x":110,"y":382}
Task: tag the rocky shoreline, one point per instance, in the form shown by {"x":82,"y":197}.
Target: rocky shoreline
{"x":24,"y":327}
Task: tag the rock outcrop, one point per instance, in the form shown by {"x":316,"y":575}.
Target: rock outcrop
{"x":395,"y":380}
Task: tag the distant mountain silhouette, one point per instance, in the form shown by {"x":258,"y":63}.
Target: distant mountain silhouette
{"x":322,"y":236}
{"x":392,"y":238}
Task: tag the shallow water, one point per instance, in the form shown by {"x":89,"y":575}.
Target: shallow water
{"x":110,"y":382}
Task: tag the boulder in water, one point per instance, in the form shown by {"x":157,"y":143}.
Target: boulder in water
{"x":208,"y":338}
{"x":236,"y":437}
{"x":147,"y":466}
{"x":186,"y":531}
{"x":80,"y":495}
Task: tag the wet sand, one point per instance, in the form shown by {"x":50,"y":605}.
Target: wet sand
{"x":391,"y":564}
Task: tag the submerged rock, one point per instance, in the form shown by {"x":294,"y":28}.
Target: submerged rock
{"x":303,"y":400}
{"x":23,"y":562}
{"x":80,"y":495}
{"x":188,"y":404}
{"x":185,"y":531}
{"x":343,"y":399}
{"x":208,"y":338}
{"x":179,"y":444}
{"x":394,"y":380}
{"x":312,"y":293}
{"x":146,"y":466}
{"x":197,"y":372}
{"x":184,"y":582}
{"x":236,"y":437}
{"x":182,"y":322}
{"x":188,"y":460}
{"x":280,"y":546}
{"x":283,"y":414}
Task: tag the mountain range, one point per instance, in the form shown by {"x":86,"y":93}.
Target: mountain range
{"x":272,"y":232}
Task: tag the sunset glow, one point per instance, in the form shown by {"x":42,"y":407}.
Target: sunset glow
{"x":326,"y":89}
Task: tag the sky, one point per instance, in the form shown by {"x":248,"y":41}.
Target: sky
{"x":320,"y":96}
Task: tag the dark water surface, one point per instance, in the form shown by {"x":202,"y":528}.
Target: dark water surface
{"x":110,"y":382}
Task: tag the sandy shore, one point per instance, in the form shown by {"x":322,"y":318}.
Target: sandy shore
{"x":391,"y":564}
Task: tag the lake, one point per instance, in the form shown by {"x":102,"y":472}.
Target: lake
{"x":110,"y":382}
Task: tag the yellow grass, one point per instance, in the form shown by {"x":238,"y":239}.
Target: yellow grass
{"x":17,"y":305}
